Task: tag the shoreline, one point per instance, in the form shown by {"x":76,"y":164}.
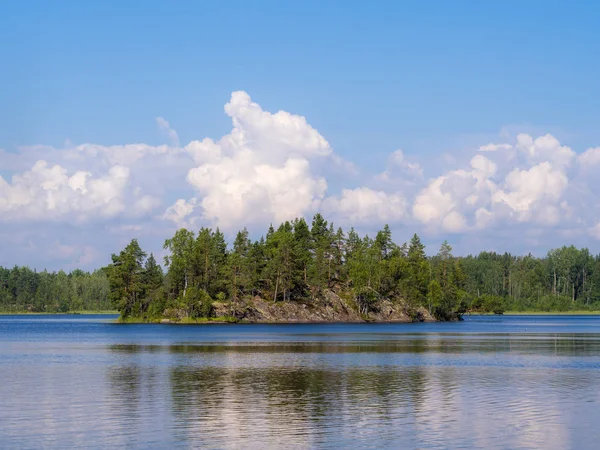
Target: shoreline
{"x":539,"y":313}
{"x":231,"y":320}
{"x":69,"y":313}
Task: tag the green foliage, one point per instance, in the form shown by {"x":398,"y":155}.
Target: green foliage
{"x":296,"y":262}
{"x":322,"y":238}
{"x":239,"y":266}
{"x":197,"y":303}
{"x":488,"y":303}
{"x":157,"y":302}
{"x":566,"y":279}
{"x":25,"y":290}
{"x":434,"y":295}
{"x":126,"y":276}
{"x":415,"y":285}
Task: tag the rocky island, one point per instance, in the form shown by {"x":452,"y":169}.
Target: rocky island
{"x":329,"y":308}
{"x":295,"y":273}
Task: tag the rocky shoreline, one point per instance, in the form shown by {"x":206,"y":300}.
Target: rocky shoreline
{"x":329,"y":307}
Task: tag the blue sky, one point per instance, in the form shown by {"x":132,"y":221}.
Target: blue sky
{"x":435,"y":79}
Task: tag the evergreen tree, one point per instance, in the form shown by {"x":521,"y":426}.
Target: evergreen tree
{"x":302,"y":251}
{"x":321,"y":240}
{"x":126,"y":279}
{"x":239,"y":265}
{"x":153,"y":274}
{"x":417,"y":280}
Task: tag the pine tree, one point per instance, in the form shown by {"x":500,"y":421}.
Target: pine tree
{"x":338,"y":255}
{"x":239,"y":264}
{"x":153,"y":274}
{"x":302,"y":251}
{"x":126,"y":278}
{"x":416,"y":282}
{"x":321,"y":241}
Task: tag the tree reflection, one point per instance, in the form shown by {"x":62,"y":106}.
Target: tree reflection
{"x":402,"y":394}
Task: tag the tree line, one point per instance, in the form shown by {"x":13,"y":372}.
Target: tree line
{"x":565,"y":279}
{"x":298,"y":261}
{"x":25,"y":290}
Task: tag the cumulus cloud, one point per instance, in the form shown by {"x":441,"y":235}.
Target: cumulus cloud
{"x":590,"y":158}
{"x":259,"y":172}
{"x":274,"y":166}
{"x":446,"y":200}
{"x":533,"y":194}
{"x":49,"y":192}
{"x":536,"y":191}
{"x":366,"y":206}
{"x":180,"y":210}
{"x":545,"y":148}
{"x":88,"y":182}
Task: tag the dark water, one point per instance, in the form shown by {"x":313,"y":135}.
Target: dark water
{"x":488,"y":382}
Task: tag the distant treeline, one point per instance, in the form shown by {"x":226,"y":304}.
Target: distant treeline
{"x":297,"y":262}
{"x":24,"y":290}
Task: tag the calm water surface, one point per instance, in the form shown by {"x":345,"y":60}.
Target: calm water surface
{"x":487,"y":382}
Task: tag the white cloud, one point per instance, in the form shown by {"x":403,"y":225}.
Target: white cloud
{"x":447,"y":198}
{"x":485,"y":195}
{"x":589,"y":158}
{"x":167,"y":131}
{"x":534,"y":193}
{"x":275,"y":166}
{"x":271,"y":135}
{"x":126,"y":155}
{"x":259,"y":172}
{"x":49,"y":192}
{"x":180,"y":210}
{"x":145,"y":204}
{"x":545,"y":148}
{"x":494,"y":147}
{"x":366,"y":206}
{"x":454,"y":222}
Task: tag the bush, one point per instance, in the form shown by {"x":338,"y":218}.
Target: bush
{"x":198,"y":303}
{"x":489,"y":304}
{"x":157,"y":302}
{"x":554,"y":303}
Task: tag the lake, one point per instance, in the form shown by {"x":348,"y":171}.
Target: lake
{"x":488,"y":382}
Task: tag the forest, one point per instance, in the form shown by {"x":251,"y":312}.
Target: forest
{"x":25,"y":290}
{"x":298,"y":262}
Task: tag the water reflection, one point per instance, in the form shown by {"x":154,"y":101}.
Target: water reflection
{"x":295,"y":407}
{"x":546,"y":345}
{"x":284,"y":395}
{"x":97,"y":385}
